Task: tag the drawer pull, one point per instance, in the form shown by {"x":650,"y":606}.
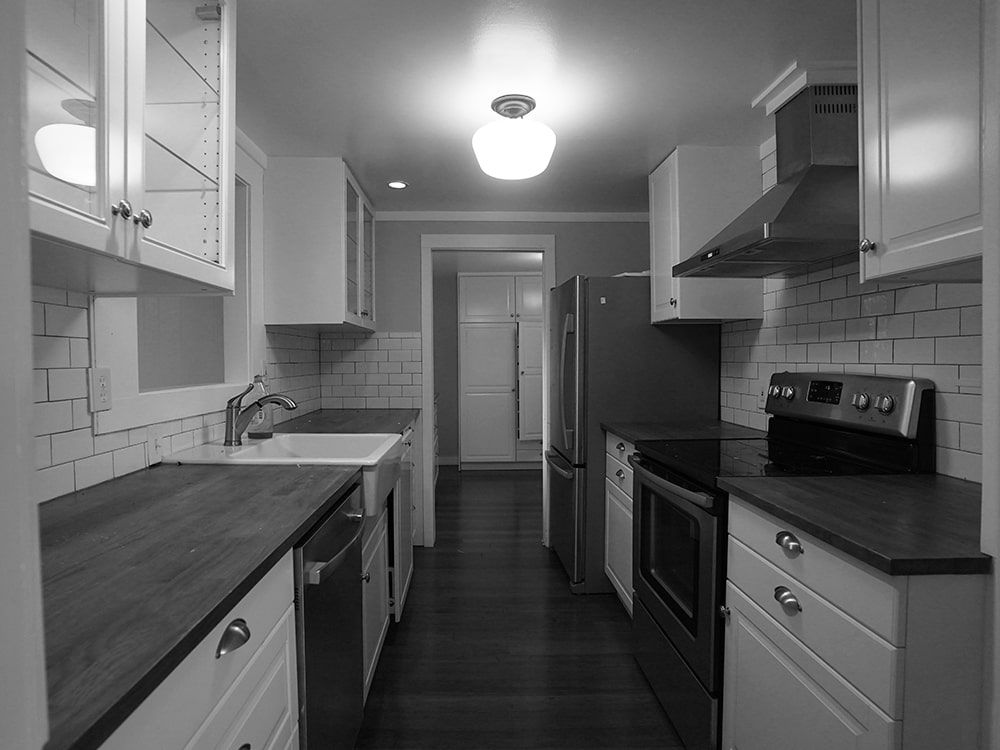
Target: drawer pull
{"x":620,"y":474}
{"x":245,"y":746}
{"x":366,"y":577}
{"x":237,"y":634}
{"x":787,"y":541}
{"x":620,"y":447}
{"x":788,"y":600}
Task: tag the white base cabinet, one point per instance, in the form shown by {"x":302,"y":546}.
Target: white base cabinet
{"x":618,"y":517}
{"x":375,"y":595}
{"x":922,"y":116}
{"x":850,"y":657}
{"x":403,"y":508}
{"x":248,"y":696}
{"x":693,"y":194}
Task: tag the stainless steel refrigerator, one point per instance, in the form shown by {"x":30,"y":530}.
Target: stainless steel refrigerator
{"x":608,"y":364}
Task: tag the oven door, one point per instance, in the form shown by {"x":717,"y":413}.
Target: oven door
{"x":678,"y":566}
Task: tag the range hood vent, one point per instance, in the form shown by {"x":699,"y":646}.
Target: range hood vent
{"x":811,"y":215}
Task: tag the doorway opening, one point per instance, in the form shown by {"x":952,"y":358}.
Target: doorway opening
{"x":443,"y":258}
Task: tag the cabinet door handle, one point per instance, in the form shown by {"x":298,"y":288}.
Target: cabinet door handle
{"x":620,"y":447}
{"x":673,"y":302}
{"x":788,"y":600}
{"x":237,"y":633}
{"x":245,"y":746}
{"x":122,"y":208}
{"x":787,"y":541}
{"x":145,"y":218}
{"x":867,"y":246}
{"x":366,"y":577}
{"x":620,"y":474}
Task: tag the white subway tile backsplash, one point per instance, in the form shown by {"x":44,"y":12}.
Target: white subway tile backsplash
{"x":69,"y":446}
{"x":50,"y":351}
{"x":962,"y":350}
{"x":53,"y":416}
{"x":65,"y":321}
{"x":93,"y":470}
{"x":127,"y":460}
{"x":971,"y":323}
{"x":915,"y":298}
{"x":895,"y":326}
{"x":54,"y":481}
{"x":937,"y":323}
{"x":67,"y":383}
{"x":959,"y":295}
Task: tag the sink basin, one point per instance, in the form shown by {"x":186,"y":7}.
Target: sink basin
{"x":377,"y":454}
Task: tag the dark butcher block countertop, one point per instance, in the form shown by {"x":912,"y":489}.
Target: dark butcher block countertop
{"x":634,"y":431}
{"x":138,"y":570}
{"x":902,"y":525}
{"x":351,"y":420}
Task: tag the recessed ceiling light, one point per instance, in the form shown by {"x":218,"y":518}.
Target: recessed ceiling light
{"x":397,"y":185}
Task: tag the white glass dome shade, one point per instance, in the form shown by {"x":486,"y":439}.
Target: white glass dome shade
{"x":68,"y":152}
{"x":513,"y":148}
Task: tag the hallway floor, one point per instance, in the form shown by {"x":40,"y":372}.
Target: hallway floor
{"x":494,"y":651}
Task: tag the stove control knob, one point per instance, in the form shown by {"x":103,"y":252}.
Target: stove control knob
{"x":861,"y":401}
{"x":885,"y":404}
{"x":775,"y":391}
{"x":788,"y":393}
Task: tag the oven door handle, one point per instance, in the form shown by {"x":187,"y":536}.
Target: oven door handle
{"x":551,"y":458}
{"x":701,"y":499}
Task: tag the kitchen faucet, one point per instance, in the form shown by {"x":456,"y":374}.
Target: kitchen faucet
{"x":238,"y":418}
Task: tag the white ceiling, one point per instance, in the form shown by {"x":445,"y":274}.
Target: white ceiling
{"x":397,"y":87}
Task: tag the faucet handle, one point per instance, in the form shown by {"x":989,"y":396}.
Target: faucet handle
{"x":259,"y":380}
{"x":238,"y":398}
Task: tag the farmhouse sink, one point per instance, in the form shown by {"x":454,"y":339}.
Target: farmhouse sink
{"x":377,"y":454}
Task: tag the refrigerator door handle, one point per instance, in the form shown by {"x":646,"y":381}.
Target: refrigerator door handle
{"x":567,"y":328}
{"x":551,"y":459}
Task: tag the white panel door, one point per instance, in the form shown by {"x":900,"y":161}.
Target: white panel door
{"x":485,"y":298}
{"x":487,"y":384}
{"x":529,"y":381}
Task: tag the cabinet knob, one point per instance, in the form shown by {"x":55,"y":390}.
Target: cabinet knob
{"x":724,"y":612}
{"x":145,"y":218}
{"x":620,"y":474}
{"x":673,"y":302}
{"x":237,"y":633}
{"x":788,"y":600}
{"x":245,"y":746}
{"x":620,"y":447}
{"x":366,"y":577}
{"x":123,"y":208}
{"x":787,"y":541}
{"x":866,"y":246}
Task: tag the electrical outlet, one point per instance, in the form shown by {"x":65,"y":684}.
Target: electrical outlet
{"x":100,"y":388}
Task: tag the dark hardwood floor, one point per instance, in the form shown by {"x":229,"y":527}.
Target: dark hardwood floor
{"x":494,"y":651}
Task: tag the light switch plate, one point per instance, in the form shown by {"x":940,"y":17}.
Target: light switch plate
{"x":100,"y":388}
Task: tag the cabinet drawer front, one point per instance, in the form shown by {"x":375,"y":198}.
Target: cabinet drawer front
{"x":261,"y":708}
{"x":875,"y":600}
{"x":868,"y":662}
{"x":778,"y":694}
{"x":172,"y":713}
{"x":612,"y":442}
{"x":619,"y":474}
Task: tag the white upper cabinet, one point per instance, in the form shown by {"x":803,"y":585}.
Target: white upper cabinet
{"x":920,"y":66}
{"x":320,"y":256}
{"x":500,"y":297}
{"x":693,"y":194}
{"x":129,"y":142}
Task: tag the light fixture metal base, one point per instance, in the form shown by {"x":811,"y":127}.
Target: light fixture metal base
{"x":513,"y":105}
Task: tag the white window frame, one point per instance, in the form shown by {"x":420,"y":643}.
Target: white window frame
{"x":115,"y":330}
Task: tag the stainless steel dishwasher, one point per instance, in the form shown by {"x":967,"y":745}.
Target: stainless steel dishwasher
{"x":328,"y":625}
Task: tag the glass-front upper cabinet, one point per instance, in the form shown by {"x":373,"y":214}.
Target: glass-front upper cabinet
{"x":156,"y":92}
{"x":351,"y":255}
{"x":368,"y":264}
{"x":70,"y":119}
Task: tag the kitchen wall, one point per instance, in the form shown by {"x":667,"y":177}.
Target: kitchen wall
{"x":825,"y":321}
{"x":599,"y":248}
{"x":371,"y":371}
{"x":69,"y":456}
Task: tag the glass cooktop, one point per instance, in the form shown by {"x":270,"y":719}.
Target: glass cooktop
{"x":704,"y":460}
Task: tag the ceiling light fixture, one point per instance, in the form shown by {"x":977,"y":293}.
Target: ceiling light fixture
{"x":68,"y":151}
{"x":397,"y":185}
{"x":513,"y":148}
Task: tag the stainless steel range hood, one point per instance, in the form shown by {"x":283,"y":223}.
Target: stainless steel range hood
{"x":811,"y":215}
